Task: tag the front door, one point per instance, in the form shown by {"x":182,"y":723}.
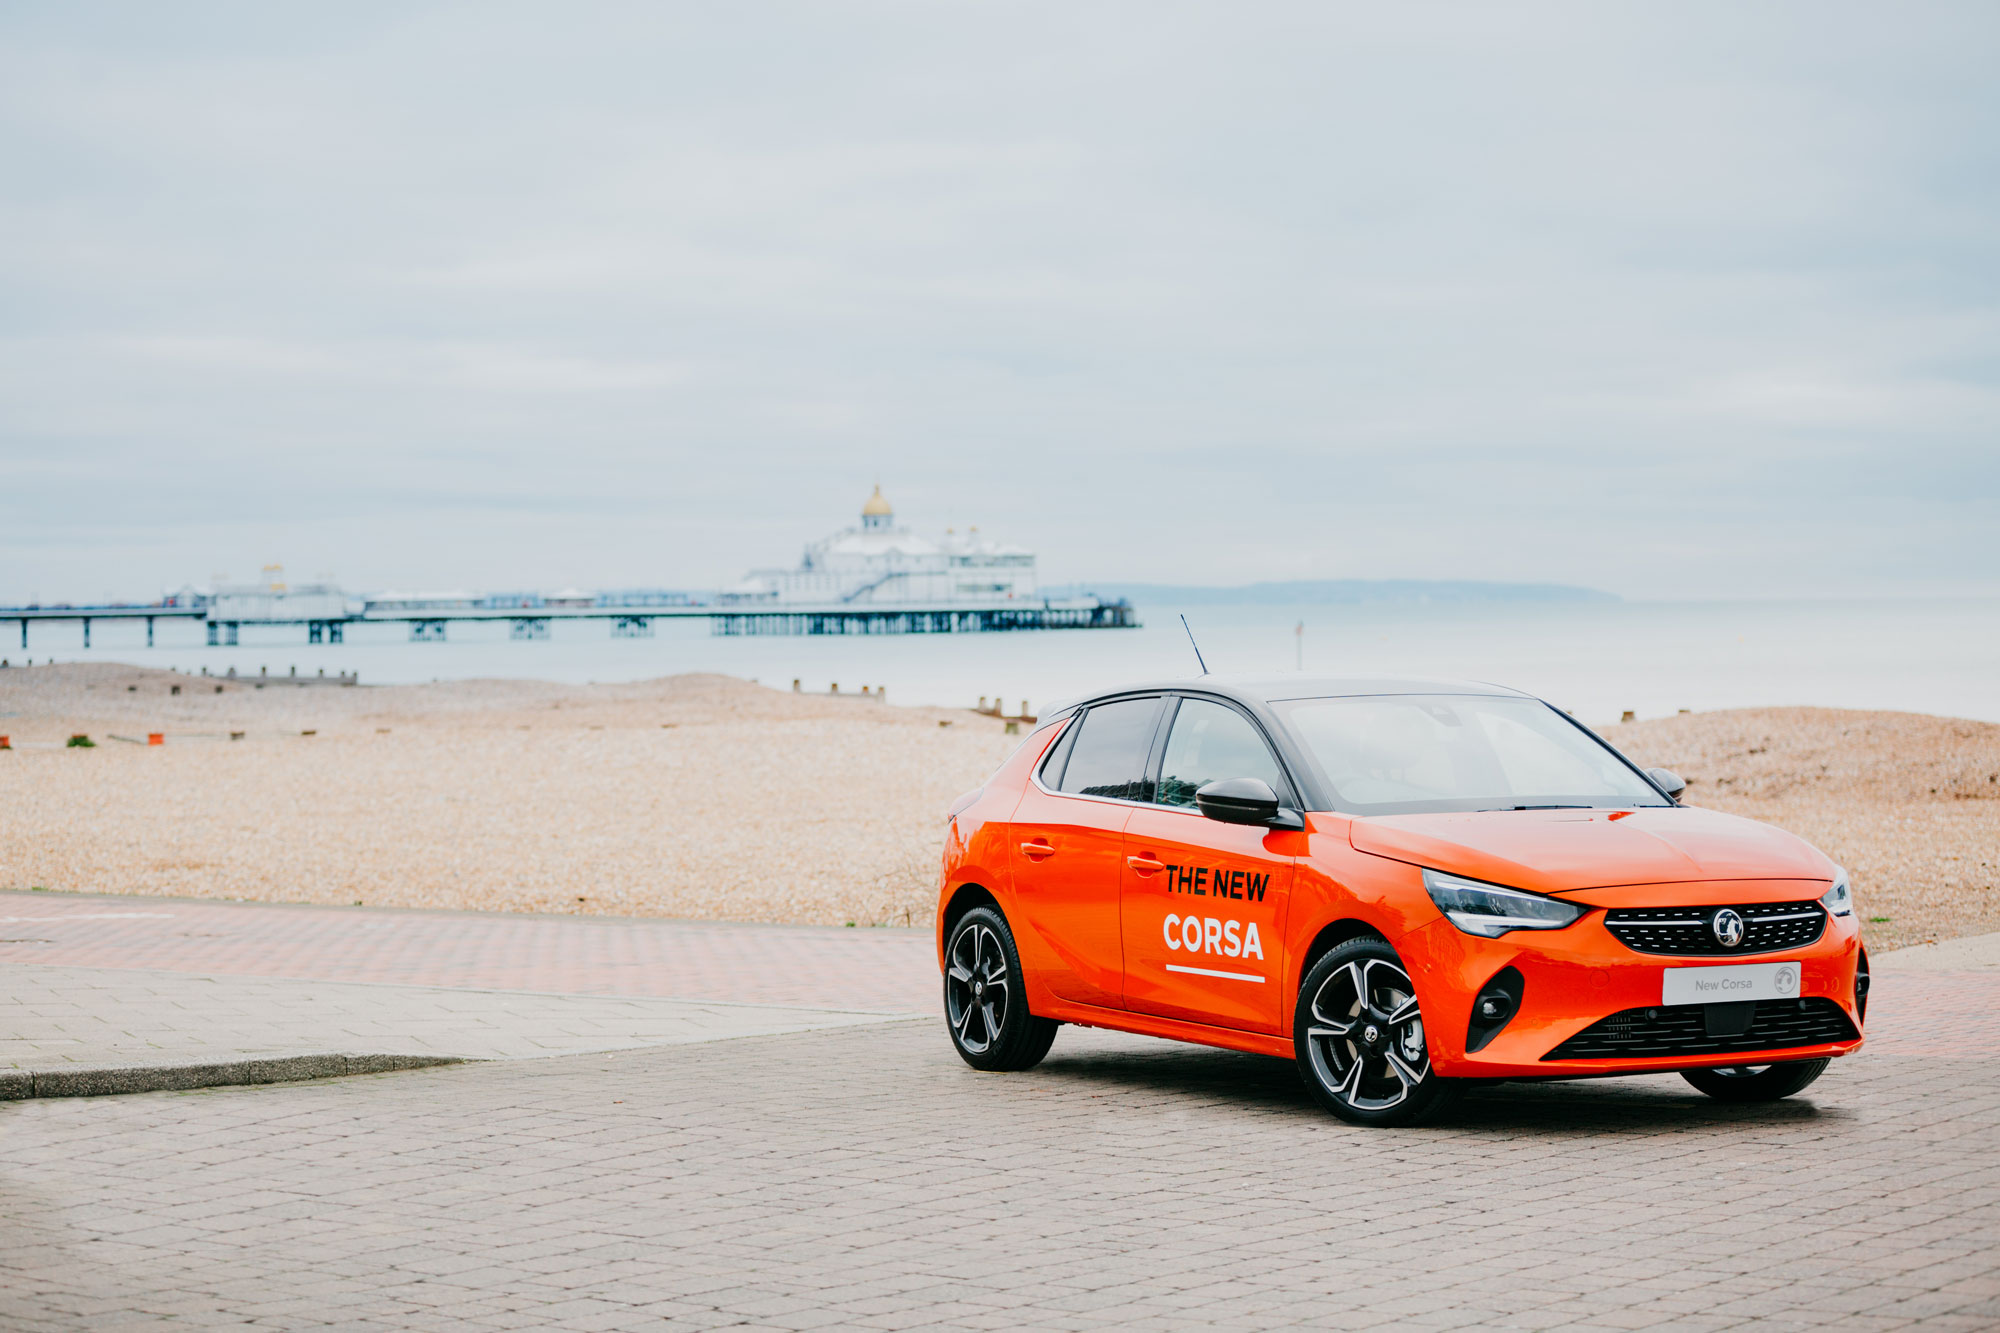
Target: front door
{"x":1067,"y":849}
{"x":1202,"y":905}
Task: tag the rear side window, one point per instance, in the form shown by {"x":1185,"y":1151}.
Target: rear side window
{"x":1209,"y":743}
{"x":1108,"y":756}
{"x":1052,"y":767}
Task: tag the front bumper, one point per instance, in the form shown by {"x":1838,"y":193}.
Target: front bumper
{"x":1576,"y":977}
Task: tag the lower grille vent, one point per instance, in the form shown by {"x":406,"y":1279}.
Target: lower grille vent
{"x":1683,"y":1029}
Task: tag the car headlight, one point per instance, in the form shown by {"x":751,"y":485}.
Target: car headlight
{"x":1838,"y":900}
{"x":1489,"y":910}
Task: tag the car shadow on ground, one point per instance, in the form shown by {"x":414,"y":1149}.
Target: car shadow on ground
{"x":1647,"y":1105}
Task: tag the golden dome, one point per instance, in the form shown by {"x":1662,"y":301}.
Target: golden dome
{"x":876,"y":507}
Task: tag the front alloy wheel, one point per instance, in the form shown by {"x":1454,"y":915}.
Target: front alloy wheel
{"x":984,"y":1006}
{"x":1359,"y":1037}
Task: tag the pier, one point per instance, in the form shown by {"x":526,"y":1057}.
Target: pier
{"x":924,"y":620}
{"x":430,"y":624}
{"x":86,"y":614}
{"x":876,"y":577}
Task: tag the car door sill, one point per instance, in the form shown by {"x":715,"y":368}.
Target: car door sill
{"x":1175,"y":1029}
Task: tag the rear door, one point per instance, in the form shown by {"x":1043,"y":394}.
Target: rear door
{"x":1068,"y":845}
{"x":1202,"y":903}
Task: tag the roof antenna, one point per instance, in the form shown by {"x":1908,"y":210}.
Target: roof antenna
{"x":1192,"y":644}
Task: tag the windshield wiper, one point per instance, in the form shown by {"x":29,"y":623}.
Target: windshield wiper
{"x":1543,"y":807}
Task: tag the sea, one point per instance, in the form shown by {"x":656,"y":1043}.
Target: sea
{"x":1598,"y":659}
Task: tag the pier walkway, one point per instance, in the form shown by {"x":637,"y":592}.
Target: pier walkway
{"x":431,"y":625}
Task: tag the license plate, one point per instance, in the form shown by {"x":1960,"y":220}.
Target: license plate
{"x":1716,"y":985}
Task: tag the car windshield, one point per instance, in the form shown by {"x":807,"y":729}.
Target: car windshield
{"x":1392,"y":754}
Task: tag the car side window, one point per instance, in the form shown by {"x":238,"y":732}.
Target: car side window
{"x":1108,"y":757}
{"x":1052,"y":767}
{"x":1210,"y":742}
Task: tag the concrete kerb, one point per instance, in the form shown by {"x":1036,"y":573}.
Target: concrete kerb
{"x":21,"y":1084}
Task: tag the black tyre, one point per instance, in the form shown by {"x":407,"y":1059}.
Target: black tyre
{"x":985,"y":1007}
{"x":1756,"y":1083}
{"x":1359,"y":1036}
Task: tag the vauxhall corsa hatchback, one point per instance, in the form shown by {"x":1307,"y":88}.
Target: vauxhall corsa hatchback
{"x":1403,"y":885}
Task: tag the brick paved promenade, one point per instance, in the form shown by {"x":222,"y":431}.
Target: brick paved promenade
{"x":879,"y":969}
{"x":887,"y":971}
{"x":60,"y":1017}
{"x":862,"y":1177}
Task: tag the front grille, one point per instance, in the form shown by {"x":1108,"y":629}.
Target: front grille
{"x":1682,"y":1029}
{"x":1767,"y":928}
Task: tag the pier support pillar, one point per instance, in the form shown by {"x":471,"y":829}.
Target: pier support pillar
{"x":315,"y":631}
{"x":229,"y":628}
{"x":86,"y":632}
{"x":149,"y":631}
{"x":24,"y":634}
{"x":212,"y":628}
{"x":335,"y":631}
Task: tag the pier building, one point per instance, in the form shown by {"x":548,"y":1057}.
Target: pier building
{"x":879,"y":562}
{"x":273,"y":600}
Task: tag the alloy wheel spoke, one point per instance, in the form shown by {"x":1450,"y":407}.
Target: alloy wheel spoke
{"x":960,"y":973}
{"x":1404,"y":1013}
{"x":1350,"y":1082}
{"x":1341,"y":1024}
{"x":1358,"y":980}
{"x":1409,"y":1077}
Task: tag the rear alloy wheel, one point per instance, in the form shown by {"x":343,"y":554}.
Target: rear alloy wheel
{"x":984,"y":1005}
{"x":1359,"y":1037}
{"x":1756,"y":1083}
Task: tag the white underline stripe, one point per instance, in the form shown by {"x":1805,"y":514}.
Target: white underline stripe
{"x":1204,"y":972}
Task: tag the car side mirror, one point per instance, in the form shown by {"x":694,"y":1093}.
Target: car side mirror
{"x":1670,"y":782}
{"x":1245,"y":801}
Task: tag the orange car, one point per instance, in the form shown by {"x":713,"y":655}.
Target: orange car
{"x":1404,"y":885}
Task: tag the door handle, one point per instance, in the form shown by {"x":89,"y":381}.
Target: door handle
{"x":1145,"y":865}
{"x":1037,"y":850}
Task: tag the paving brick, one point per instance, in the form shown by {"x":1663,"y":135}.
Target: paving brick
{"x":792,"y":966}
{"x":80,"y":1032}
{"x":864,"y":1178}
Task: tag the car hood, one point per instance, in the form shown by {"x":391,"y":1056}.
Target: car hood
{"x":1564,"y":851}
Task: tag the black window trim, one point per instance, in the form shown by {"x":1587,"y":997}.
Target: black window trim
{"x":1065,"y":740}
{"x":1287,"y":800}
{"x":1082,"y":712}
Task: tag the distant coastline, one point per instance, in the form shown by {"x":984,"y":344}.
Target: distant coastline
{"x":1335,"y":592}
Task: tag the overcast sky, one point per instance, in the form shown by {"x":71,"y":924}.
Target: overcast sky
{"x":1672,"y":300}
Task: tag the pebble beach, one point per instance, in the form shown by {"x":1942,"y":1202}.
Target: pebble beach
{"x":713,"y":798}
{"x":692,"y":796}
